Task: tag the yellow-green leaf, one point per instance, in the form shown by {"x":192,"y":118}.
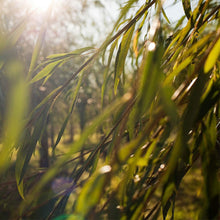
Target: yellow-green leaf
{"x":15,"y":112}
{"x":46,"y":71}
{"x":122,"y":54}
{"x":72,"y":53}
{"x":212,"y":57}
{"x":165,"y":16}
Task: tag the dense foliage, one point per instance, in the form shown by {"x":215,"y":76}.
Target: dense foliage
{"x":146,"y":108}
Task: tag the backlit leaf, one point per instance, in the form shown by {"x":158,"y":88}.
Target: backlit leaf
{"x":90,"y":194}
{"x":165,"y":16}
{"x":212,"y":57}
{"x":16,"y":110}
{"x":46,"y":71}
{"x":121,"y":56}
{"x":62,"y":56}
{"x":26,"y":150}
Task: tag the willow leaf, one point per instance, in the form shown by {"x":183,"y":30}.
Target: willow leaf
{"x":149,"y":81}
{"x":72,"y":53}
{"x":187,"y":8}
{"x":8,"y":41}
{"x":44,"y":101}
{"x":209,"y":98}
{"x":212,"y":57}
{"x":90,"y":194}
{"x":20,"y":162}
{"x":137,"y":35}
{"x":46,"y":71}
{"x":177,"y":70}
{"x":104,"y":85}
{"x":111,"y":52}
{"x":26,"y":150}
{"x":121,"y":55}
{"x":76,"y":146}
{"x":95,"y":162}
{"x":124,"y":11}
{"x":165,"y":16}
{"x":17,"y":32}
{"x":168,"y":193}
{"x":15,"y":111}
{"x":60,"y":134}
{"x":209,"y":154}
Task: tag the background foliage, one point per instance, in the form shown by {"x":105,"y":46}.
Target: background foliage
{"x":110,"y":132}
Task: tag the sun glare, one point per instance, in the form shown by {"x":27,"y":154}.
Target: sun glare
{"x":42,"y":5}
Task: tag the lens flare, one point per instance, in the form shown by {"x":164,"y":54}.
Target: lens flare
{"x":41,"y":5}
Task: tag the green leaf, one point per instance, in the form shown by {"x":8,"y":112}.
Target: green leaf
{"x":143,"y":161}
{"x":75,"y":147}
{"x":165,"y":16}
{"x":62,"y":56}
{"x":104,"y":85}
{"x":60,"y":134}
{"x":106,"y":76}
{"x":168,"y":193}
{"x":209,"y":99}
{"x":8,"y":41}
{"x":187,"y":8}
{"x":210,"y":161}
{"x":150,"y":79}
{"x":44,"y":101}
{"x":26,"y":150}
{"x":46,"y":71}
{"x":169,"y":106}
{"x":124,"y":10}
{"x":95,"y":163}
{"x":212,"y":57}
{"x":121,"y":55}
{"x":177,"y":70}
{"x":70,"y":217}
{"x":180,"y":22}
{"x":90,"y":194}
{"x":15,"y":111}
{"x":137,"y":35}
{"x":129,"y":148}
{"x":17,"y":32}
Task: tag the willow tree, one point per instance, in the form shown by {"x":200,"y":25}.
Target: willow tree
{"x":160,"y":97}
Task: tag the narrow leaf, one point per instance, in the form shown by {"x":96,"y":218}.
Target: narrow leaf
{"x":177,"y":70}
{"x":60,"y":134}
{"x":44,"y":101}
{"x":46,"y":71}
{"x":165,"y":16}
{"x":121,"y":56}
{"x":72,"y":53}
{"x":15,"y":110}
{"x":212,"y":58}
{"x":187,"y":8}
{"x":90,"y":194}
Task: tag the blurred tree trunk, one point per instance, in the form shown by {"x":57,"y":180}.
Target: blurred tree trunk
{"x":44,"y":156}
{"x":82,"y":111}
